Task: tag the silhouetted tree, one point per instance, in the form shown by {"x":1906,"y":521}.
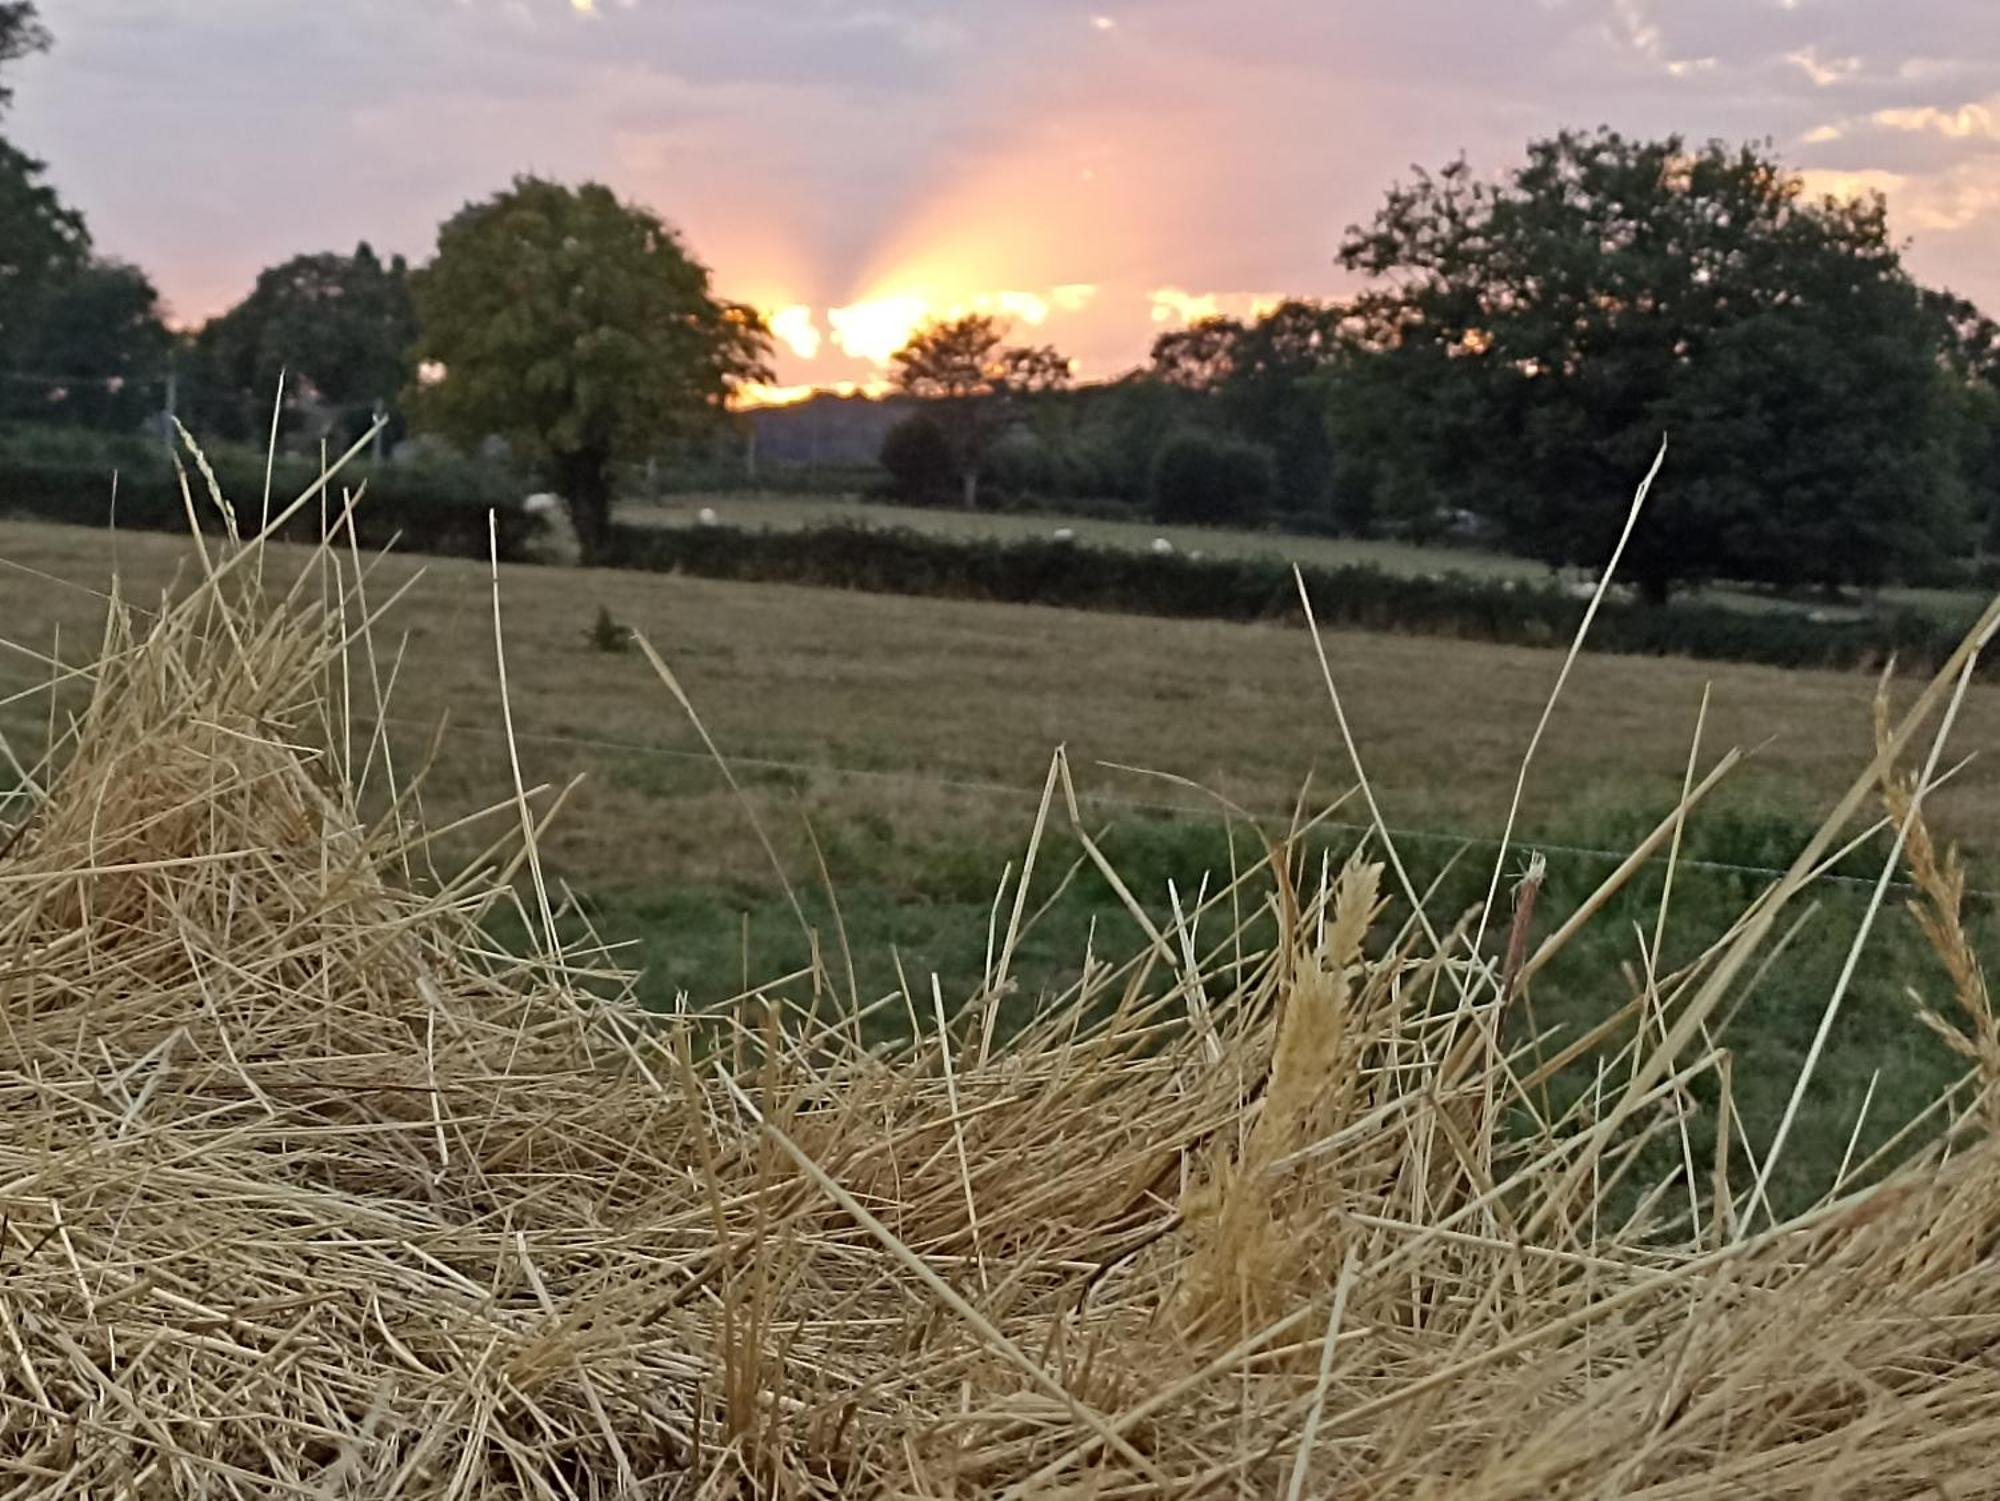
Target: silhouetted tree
{"x":579,"y":329}
{"x":339,"y":327}
{"x":1533,"y":338}
{"x":1199,"y":358}
{"x":976,"y":383}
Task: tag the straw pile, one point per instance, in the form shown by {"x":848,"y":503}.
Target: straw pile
{"x":305,"y":1190}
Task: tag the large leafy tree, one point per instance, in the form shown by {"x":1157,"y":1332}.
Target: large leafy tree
{"x":1531,"y":338}
{"x":579,"y":329}
{"x":41,"y":239}
{"x":81,"y":339}
{"x":94,"y":352}
{"x":976,"y":382}
{"x":338,"y":327}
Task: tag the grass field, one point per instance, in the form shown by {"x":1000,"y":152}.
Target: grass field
{"x":912,"y":738}
{"x":792,"y":512}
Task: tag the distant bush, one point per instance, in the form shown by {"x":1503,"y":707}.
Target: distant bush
{"x":1262,"y":589}
{"x":435,"y":506}
{"x":1210,"y":480}
{"x":1023,"y":465}
{"x":918,"y":459}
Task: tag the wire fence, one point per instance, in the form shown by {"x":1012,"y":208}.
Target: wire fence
{"x":1020,"y":792}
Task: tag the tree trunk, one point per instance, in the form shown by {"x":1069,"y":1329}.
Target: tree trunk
{"x":588,"y":492}
{"x":971,"y":485}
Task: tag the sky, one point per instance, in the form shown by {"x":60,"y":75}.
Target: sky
{"x":1095,"y":172}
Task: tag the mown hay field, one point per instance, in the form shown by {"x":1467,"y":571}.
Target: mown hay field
{"x":895,"y":750}
{"x":1325,"y":1183}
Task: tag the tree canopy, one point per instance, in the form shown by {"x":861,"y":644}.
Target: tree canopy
{"x":1261,"y":381}
{"x":580,"y":330}
{"x":81,"y":340}
{"x":976,"y":379}
{"x":93,"y":351}
{"x":21,"y":34}
{"x":339,"y":327}
{"x":1530,"y":339}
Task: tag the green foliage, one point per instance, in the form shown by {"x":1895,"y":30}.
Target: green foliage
{"x":1262,"y":589}
{"x":438,"y":506}
{"x":1211,"y":481}
{"x":919,"y":460}
{"x":580,"y":330}
{"x":976,"y":385}
{"x":1535,"y":337}
{"x":338,"y":328}
{"x":42,"y":242}
{"x":21,"y":34}
{"x":90,"y":349}
{"x":1263,"y":381}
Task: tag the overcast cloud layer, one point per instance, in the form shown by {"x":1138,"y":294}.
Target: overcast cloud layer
{"x":1117,"y":164}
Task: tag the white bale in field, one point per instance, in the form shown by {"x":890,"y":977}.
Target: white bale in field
{"x":543,"y":504}
{"x":1063,"y":534}
{"x":706,"y":516}
{"x":1580,"y":589}
{"x":1162,"y":546}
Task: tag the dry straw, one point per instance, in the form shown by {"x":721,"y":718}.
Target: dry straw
{"x":307,"y":1190}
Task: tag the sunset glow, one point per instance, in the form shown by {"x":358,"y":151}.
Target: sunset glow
{"x":752,"y":394}
{"x":1094,"y":175}
{"x":793,"y":326}
{"x":875,"y":329}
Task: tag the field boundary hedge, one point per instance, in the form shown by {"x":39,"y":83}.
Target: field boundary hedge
{"x":441,"y":511}
{"x":1076,"y":576}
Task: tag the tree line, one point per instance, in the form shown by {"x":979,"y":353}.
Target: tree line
{"x":1519,"y":346}
{"x":576,"y":330}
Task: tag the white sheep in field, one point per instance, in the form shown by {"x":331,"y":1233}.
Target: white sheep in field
{"x":543,"y":504}
{"x":706,"y":516}
{"x":1064,"y":534}
{"x":1162,"y":546}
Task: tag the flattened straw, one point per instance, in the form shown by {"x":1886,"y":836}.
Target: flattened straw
{"x":939,"y":1288}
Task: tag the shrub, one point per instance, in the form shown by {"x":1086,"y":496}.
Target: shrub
{"x":1209,"y":480}
{"x":918,"y":458}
